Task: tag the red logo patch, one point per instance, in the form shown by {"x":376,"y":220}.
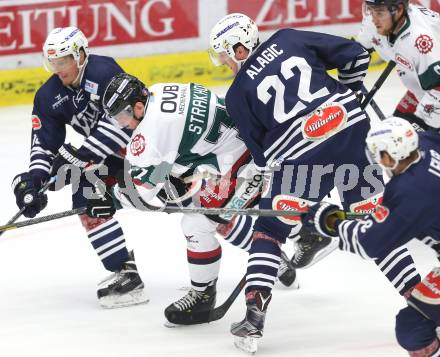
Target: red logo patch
{"x":290,"y":203}
{"x":51,"y":51}
{"x":366,"y":206}
{"x":404,"y":62}
{"x":36,"y":122}
{"x":380,"y":214}
{"x":424,"y":44}
{"x":137,"y":145}
{"x":324,"y":122}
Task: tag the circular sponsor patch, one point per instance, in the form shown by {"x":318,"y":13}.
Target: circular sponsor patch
{"x":137,"y":145}
{"x":424,"y":44}
{"x":324,"y":121}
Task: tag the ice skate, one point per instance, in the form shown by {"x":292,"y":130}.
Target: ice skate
{"x":193,"y":308}
{"x":122,"y":288}
{"x":287,"y":273}
{"x":250,"y":329}
{"x":311,"y":248}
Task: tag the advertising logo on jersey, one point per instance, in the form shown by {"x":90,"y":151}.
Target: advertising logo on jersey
{"x":137,"y":145}
{"x":36,"y":122}
{"x":366,"y":206}
{"x":424,"y":44}
{"x":324,"y":121}
{"x":290,"y":203}
{"x":404,"y":62}
{"x":91,"y":87}
{"x":380,"y":214}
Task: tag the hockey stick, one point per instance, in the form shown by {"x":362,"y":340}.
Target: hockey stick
{"x":384,"y":75}
{"x":203,"y":317}
{"x":20,"y":212}
{"x":374,"y":105}
{"x":201,"y":210}
{"x":220,"y":311}
{"x":377,"y":110}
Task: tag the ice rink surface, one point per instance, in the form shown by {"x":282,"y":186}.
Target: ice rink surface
{"x":48,"y":275}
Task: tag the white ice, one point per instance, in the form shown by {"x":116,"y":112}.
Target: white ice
{"x":49,"y":272}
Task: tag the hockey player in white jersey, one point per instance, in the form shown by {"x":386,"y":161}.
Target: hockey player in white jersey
{"x":182,"y":131}
{"x":410,"y":36}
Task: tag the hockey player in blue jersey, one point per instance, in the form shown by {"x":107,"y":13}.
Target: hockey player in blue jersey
{"x":292,"y":115}
{"x":72,"y":96}
{"x":409,"y":210}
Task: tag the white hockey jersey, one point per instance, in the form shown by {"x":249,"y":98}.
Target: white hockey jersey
{"x":416,"y":51}
{"x":185,"y":128}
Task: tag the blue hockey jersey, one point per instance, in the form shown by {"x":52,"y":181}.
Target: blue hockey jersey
{"x":284,"y":80}
{"x":409,"y":208}
{"x":56,"y":106}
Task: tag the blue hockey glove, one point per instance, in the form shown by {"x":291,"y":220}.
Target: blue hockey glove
{"x":67,"y":160}
{"x":26,"y":189}
{"x":323,"y":219}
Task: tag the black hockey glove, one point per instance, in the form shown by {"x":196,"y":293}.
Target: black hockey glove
{"x":67,"y":161}
{"x":26,"y":189}
{"x":103,"y":207}
{"x":323,"y":219}
{"x":360,"y":96}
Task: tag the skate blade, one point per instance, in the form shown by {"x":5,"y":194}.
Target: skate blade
{"x":323,"y":252}
{"x":172,"y":325}
{"x":136,"y":297}
{"x":247,"y":344}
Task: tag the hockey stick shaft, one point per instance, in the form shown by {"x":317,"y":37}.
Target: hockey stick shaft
{"x":377,"y":110}
{"x":20,"y":212}
{"x":384,"y":75}
{"x":205,"y":211}
{"x":374,"y":105}
{"x":220,"y":311}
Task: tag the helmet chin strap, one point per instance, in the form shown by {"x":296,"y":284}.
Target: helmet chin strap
{"x":395,"y":22}
{"x":389,"y":172}
{"x":80,"y":75}
{"x":240,"y":62}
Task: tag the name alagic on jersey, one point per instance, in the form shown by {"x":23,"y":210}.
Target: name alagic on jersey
{"x":266,"y":56}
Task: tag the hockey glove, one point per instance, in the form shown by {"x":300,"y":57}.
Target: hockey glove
{"x":323,"y":219}
{"x":26,"y":189}
{"x":103,"y":207}
{"x":66,"y":162}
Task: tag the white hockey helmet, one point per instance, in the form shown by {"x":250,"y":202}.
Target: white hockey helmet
{"x":230,"y":30}
{"x":394,"y":135}
{"x":64,"y":41}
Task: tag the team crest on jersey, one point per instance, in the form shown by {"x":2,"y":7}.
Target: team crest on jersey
{"x":424,"y":44}
{"x":380,"y":214}
{"x":137,"y":145}
{"x":404,"y":62}
{"x":366,"y":206}
{"x":290,"y":203}
{"x":36,"y":122}
{"x":324,"y":121}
